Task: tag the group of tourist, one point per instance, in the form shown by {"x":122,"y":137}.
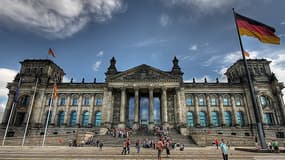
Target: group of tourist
{"x":120,"y":133}
{"x":273,"y":146}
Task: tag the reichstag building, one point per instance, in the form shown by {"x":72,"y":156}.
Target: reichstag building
{"x":147,"y":96}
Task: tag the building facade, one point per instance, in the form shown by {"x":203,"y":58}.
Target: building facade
{"x":147,"y":96}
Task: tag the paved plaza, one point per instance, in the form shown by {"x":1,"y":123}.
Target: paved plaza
{"x":68,"y":153}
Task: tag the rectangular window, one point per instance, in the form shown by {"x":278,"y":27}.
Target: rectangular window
{"x":86,"y":101}
{"x":74,"y":101}
{"x":238,"y":102}
{"x":226,"y":102}
{"x":99,"y":101}
{"x":62,"y":101}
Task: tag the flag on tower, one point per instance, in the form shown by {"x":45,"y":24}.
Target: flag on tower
{"x":253,"y":28}
{"x":51,"y":52}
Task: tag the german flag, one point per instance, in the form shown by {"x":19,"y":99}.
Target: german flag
{"x":51,"y":52}
{"x":253,"y":28}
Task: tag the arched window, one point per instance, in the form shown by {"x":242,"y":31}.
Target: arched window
{"x":60,"y":120}
{"x":99,"y":101}
{"x":86,"y":101}
{"x":268,"y":118}
{"x":25,"y":100}
{"x":48,"y":117}
{"x":85,"y":119}
{"x":240,"y":118}
{"x":190,"y":119}
{"x":189,"y":101}
{"x":201,"y":101}
{"x":74,"y":101}
{"x":202,"y":119}
{"x":98,"y":119}
{"x":214,"y":101}
{"x":62,"y":101}
{"x":226,"y":101}
{"x":238,"y":101}
{"x":73,"y":116}
{"x":50,"y":101}
{"x":264,"y":101}
{"x":228,"y":118}
{"x":215,"y":119}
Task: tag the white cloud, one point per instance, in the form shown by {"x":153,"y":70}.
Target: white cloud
{"x":96,"y":65}
{"x":66,"y":79}
{"x":101,"y":53}
{"x":164,"y":20}
{"x":194,"y":47}
{"x":2,"y":108}
{"x":56,"y":18}
{"x":6,"y":75}
{"x":283,"y":23}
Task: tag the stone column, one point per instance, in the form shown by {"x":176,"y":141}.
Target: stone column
{"x":35,"y":118}
{"x":196,"y":115}
{"x":91,"y":114}
{"x":222,"y":112}
{"x":66,"y":111}
{"x":182,"y":101}
{"x":282,"y":107}
{"x":54,"y":114}
{"x":42,"y":111}
{"x":122,"y":109}
{"x":78,"y":116}
{"x":260,"y":110}
{"x":179,"y":111}
{"x":234,"y":111}
{"x":8,"y":109}
{"x":210,"y":122}
{"x":110,"y":108}
{"x":247,"y":117}
{"x":151,"y":109}
{"x":136,"y":120}
{"x":164,"y":108}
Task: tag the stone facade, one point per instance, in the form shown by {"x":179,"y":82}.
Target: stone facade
{"x":146,"y":96}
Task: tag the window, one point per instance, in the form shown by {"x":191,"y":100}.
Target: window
{"x":238,"y":101}
{"x":202,"y":119}
{"x":264,"y":101}
{"x":240,"y":118}
{"x":25,"y":100}
{"x":73,"y":118}
{"x":60,"y":120}
{"x":62,"y":101}
{"x":226,"y":101}
{"x":228,"y":118}
{"x":85,"y":119}
{"x":86,"y":101}
{"x":201,"y":101}
{"x":213,"y":102}
{"x":48,"y":116}
{"x":215,"y":119}
{"x":190,"y":119}
{"x":99,"y":101}
{"x":268,"y":118}
{"x":74,"y":101}
{"x":98,"y":119}
{"x":189,"y":101}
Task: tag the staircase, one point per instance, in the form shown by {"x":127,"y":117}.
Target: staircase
{"x":178,"y":138}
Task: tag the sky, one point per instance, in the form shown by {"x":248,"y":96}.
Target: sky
{"x":85,"y":34}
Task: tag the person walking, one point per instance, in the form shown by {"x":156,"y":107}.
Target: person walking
{"x":128,"y":146}
{"x":224,"y":149}
{"x":124,"y":151}
{"x":167,"y":147}
{"x":216,"y":143}
{"x":101,"y":145}
{"x":138,"y":146}
{"x":159,"y":147}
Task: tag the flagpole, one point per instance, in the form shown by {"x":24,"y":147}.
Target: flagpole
{"x":257,"y":113}
{"x":11,"y":113}
{"x":47,"y":119}
{"x":30,"y":112}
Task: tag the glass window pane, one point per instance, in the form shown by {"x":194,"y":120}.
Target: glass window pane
{"x":201,"y":102}
{"x":226,"y":102}
{"x":99,"y":101}
{"x":238,"y":101}
{"x":190,"y":119}
{"x":73,"y":119}
{"x":189,"y":101}
{"x":98,"y":119}
{"x":74,"y":101}
{"x":85,"y":119}
{"x":213,"y":102}
{"x":215,"y":119}
{"x":60,"y":118}
{"x":62,"y":101}
{"x":86,"y":101}
{"x":228,"y":118}
{"x":202,"y":119}
{"x":240,"y":118}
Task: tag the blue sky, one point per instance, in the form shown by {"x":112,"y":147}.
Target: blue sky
{"x":85,"y":34}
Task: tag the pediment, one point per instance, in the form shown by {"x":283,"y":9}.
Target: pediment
{"x":143,"y":73}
